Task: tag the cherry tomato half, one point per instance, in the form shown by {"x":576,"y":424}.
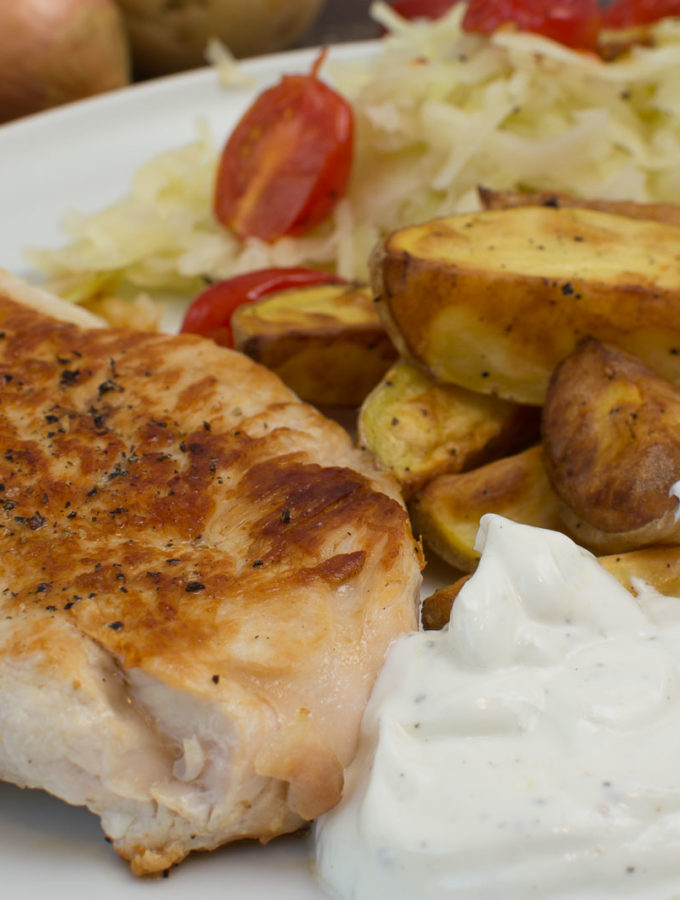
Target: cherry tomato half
{"x":574,"y":23}
{"x":288,"y":161}
{"x":210,"y":313}
{"x":627,"y":13}
{"x":422,"y":9}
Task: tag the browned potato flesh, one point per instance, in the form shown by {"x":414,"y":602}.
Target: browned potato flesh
{"x":494,"y":300}
{"x":667,"y":213}
{"x":419,"y":428}
{"x":447,"y":511}
{"x":326,"y":342}
{"x":611,"y":433}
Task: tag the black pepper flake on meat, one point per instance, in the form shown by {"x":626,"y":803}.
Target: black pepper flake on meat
{"x":8,"y":505}
{"x":51,"y":608}
{"x":33,"y":522}
{"x":207,"y":426}
{"x":51,"y":419}
{"x":567,"y":288}
{"x":193,"y":586}
{"x":257,"y":563}
{"x":116,"y":626}
{"x":69,"y":377}
{"x":183,"y":446}
{"x":43,"y":586}
{"x":109,"y":385}
{"x":285,"y":516}
{"x":216,"y":679}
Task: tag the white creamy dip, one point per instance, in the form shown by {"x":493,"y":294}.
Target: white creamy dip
{"x":531,"y":749}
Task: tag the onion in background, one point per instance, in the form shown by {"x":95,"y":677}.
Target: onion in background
{"x":173,"y":36}
{"x":54,"y":51}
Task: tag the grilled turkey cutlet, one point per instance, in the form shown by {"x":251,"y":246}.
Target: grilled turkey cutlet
{"x":200,"y":577}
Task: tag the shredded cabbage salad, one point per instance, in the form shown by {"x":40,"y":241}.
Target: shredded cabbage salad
{"x":438,"y":113}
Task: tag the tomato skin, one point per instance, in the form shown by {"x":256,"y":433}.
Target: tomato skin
{"x":288,"y":161}
{"x":422,"y":9}
{"x":628,"y":13}
{"x":574,"y":23}
{"x":210,"y":313}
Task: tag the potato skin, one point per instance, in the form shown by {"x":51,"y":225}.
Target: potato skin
{"x":494,"y":300}
{"x":418,"y":428}
{"x":611,"y":437}
{"x":435,"y":610}
{"x":667,"y":213}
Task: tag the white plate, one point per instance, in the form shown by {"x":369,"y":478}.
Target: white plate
{"x":83,"y":157}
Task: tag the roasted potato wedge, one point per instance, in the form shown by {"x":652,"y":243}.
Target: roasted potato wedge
{"x":447,"y":511}
{"x":419,"y":428}
{"x":494,"y":300}
{"x":326,"y":341}
{"x":667,"y":213}
{"x":658,"y":567}
{"x":611,"y":434}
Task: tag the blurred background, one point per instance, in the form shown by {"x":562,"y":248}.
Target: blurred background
{"x":61,"y":50}
{"x":342,"y":20}
{"x":55,"y":51}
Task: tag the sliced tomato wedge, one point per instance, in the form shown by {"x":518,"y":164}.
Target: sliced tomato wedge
{"x":288,"y":161}
{"x":210,"y":313}
{"x":628,"y":13}
{"x":574,"y":23}
{"x":422,"y":9}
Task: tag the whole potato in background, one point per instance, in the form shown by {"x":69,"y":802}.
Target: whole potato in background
{"x":172,"y":36}
{"x":57,"y":51}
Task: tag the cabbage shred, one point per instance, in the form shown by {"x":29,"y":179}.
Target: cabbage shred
{"x":438,"y":113}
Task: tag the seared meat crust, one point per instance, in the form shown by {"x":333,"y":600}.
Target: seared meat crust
{"x":200,"y":577}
